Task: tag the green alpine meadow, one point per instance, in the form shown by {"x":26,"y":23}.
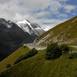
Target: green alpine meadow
{"x":57,"y":59}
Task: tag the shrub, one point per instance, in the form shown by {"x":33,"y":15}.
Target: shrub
{"x":73,"y":55}
{"x":27,"y":55}
{"x":8,"y":65}
{"x":65,"y":49}
{"x":53,"y":51}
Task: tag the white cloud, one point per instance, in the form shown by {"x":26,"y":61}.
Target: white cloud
{"x":62,"y":15}
{"x":22,"y":9}
{"x":68,"y":8}
{"x":52,"y":21}
{"x":48,"y":24}
{"x":31,"y":4}
{"x":63,"y":0}
{"x":10,"y":8}
{"x":55,"y":5}
{"x":41,"y":14}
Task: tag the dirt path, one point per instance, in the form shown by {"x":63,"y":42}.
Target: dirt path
{"x":37,"y":47}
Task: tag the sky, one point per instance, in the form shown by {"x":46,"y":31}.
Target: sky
{"x":44,"y":12}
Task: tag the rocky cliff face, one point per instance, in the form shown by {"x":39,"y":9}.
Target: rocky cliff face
{"x":11,"y":36}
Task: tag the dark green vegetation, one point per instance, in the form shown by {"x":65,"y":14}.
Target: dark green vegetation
{"x":8,"y":65}
{"x":12,"y":58}
{"x":73,"y":55}
{"x":39,"y":66}
{"x":63,"y":33}
{"x":27,"y":55}
{"x":65,"y":48}
{"x":53,"y":51}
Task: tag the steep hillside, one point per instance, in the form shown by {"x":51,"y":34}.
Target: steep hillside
{"x":12,"y":58}
{"x":12,"y":36}
{"x":63,"y":33}
{"x":38,"y":66}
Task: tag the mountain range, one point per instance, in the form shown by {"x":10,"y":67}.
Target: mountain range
{"x":28,"y":62}
{"x":13,"y":35}
{"x":30,"y":28}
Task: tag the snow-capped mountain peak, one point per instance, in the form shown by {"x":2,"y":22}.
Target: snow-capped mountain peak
{"x":25,"y":22}
{"x":25,"y":26}
{"x":31,"y":28}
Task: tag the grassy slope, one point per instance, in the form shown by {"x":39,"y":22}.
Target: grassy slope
{"x":12,"y":58}
{"x":38,"y":66}
{"x":66,"y":32}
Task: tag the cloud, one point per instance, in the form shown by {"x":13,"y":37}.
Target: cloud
{"x":21,"y":8}
{"x":34,"y":3}
{"x":62,"y":15}
{"x":55,"y":6}
{"x":44,"y":12}
{"x":69,"y":8}
{"x":48,"y":24}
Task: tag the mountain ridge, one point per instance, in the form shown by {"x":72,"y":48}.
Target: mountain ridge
{"x":63,"y":33}
{"x":31,"y":28}
{"x":38,"y":65}
{"x":12,"y":37}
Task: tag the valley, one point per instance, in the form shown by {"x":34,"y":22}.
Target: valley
{"x":30,"y":59}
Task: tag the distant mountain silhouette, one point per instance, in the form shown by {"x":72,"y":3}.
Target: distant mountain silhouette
{"x":12,"y":36}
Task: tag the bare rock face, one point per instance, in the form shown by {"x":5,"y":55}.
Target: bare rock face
{"x":13,"y":36}
{"x":30,"y":28}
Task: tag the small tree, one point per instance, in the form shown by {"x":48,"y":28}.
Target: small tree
{"x":8,"y":65}
{"x":65,"y":49}
{"x":27,"y":55}
{"x":53,"y":51}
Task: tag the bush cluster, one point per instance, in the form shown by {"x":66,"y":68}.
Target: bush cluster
{"x":65,"y":48}
{"x":8,"y":65}
{"x":73,"y":55}
{"x":27,"y":55}
{"x":54,"y":50}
